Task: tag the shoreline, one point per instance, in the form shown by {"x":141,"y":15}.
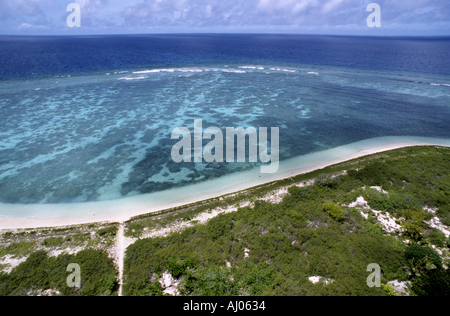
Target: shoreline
{"x":43,"y":215}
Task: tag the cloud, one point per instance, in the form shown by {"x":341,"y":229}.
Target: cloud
{"x":12,"y":8}
{"x":278,"y":12}
{"x":116,"y":16}
{"x":29,"y":26}
{"x":241,"y":13}
{"x":91,"y":7}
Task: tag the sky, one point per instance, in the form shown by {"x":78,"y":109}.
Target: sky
{"x":333,"y":17}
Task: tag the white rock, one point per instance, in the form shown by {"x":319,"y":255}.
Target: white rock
{"x":172,"y":291}
{"x":11,"y":262}
{"x":378,"y":188}
{"x":326,"y":281}
{"x":315,"y":279}
{"x":388,"y":222}
{"x":401,"y":288}
{"x":360,"y":202}
{"x":166,"y":280}
{"x":429,"y":209}
{"x":435,"y":222}
{"x":169,"y":284}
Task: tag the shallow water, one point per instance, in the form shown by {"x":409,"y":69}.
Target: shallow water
{"x":104,"y":135}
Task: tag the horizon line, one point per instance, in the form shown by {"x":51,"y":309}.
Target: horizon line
{"x":227,"y":33}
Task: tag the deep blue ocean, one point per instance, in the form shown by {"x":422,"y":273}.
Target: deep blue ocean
{"x":89,"y":118}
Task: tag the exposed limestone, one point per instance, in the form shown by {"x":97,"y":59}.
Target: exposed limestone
{"x":316,"y":279}
{"x":401,"y":288}
{"x":169,"y":284}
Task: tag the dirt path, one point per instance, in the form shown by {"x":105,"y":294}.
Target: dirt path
{"x":121,"y":254}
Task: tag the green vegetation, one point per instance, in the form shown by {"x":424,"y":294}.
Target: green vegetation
{"x":108,"y":231}
{"x":154,"y":288}
{"x":22,"y":248}
{"x":309,"y":234}
{"x":389,"y":289}
{"x":212,"y":280}
{"x":40,"y":272}
{"x":335,"y":211}
{"x":326,"y":180}
{"x":437,"y":238}
{"x":417,"y":253}
{"x":284,"y":250}
{"x":53,"y":241}
{"x":178,"y":266}
{"x":426,"y":271}
{"x":271,"y":249}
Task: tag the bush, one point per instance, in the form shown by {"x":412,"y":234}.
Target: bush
{"x":417,"y":253}
{"x":152,"y":289}
{"x":436,"y":283}
{"x":208,"y":281}
{"x":186,"y":217}
{"x":257,"y":277}
{"x":444,"y":214}
{"x":300,"y":193}
{"x":335,"y":211}
{"x":414,"y":218}
{"x":326,"y":180}
{"x":438,"y":239}
{"x":374,"y":174}
{"x":414,"y":215}
{"x":389,"y":289}
{"x":52,"y":241}
{"x":412,"y":230}
{"x":379,"y":201}
{"x":112,"y":230}
{"x":178,"y":266}
{"x":40,"y":272}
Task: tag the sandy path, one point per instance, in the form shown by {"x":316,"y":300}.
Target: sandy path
{"x":121,"y":253}
{"x":117,"y":252}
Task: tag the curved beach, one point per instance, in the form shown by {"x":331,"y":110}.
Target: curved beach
{"x":47,"y":215}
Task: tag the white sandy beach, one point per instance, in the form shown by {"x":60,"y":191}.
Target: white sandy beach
{"x":47,"y":215}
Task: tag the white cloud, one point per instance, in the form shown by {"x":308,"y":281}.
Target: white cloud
{"x":234,"y":15}
{"x":91,"y":7}
{"x":29,"y":26}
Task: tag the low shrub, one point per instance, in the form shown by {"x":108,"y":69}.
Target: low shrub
{"x":208,"y":281}
{"x":335,"y":211}
{"x":300,"y":193}
{"x":326,"y":180}
{"x":186,"y":217}
{"x":178,"y":266}
{"x":112,"y":230}
{"x":438,"y":239}
{"x":418,"y":252}
{"x":52,"y":241}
